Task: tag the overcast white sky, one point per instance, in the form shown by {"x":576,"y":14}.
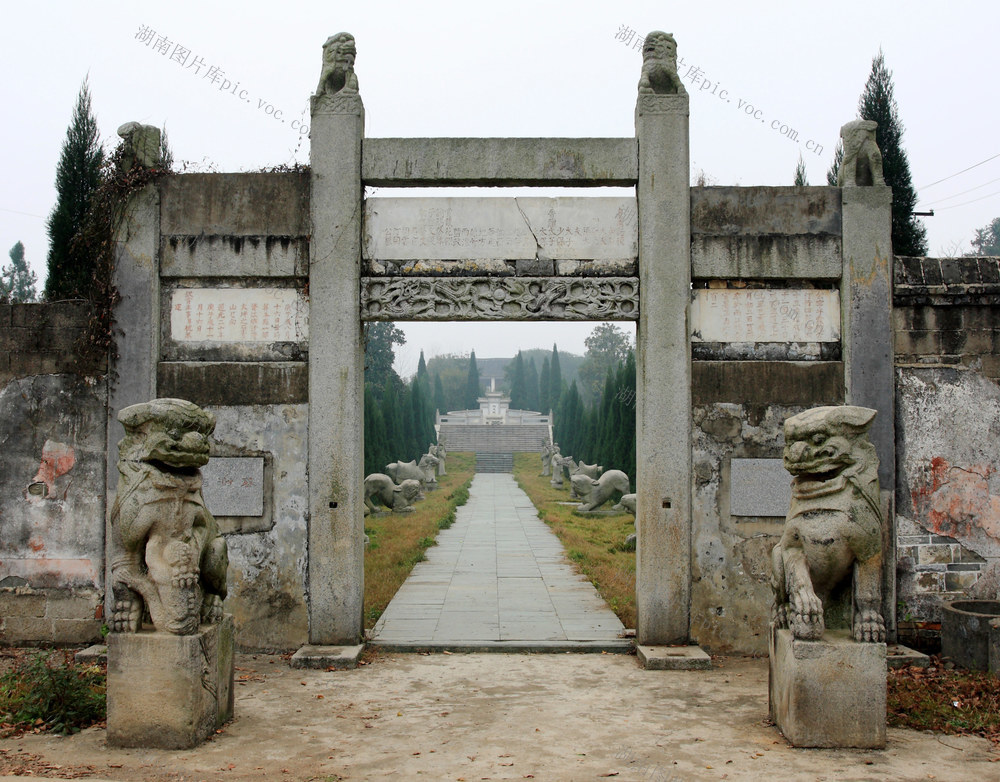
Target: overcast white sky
{"x":508,"y":69}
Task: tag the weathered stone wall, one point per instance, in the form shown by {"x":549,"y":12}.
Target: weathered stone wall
{"x":947,"y":497}
{"x":945,"y":312}
{"x":44,"y":339}
{"x":947,"y":348}
{"x":52,"y":436}
{"x":229,"y":245}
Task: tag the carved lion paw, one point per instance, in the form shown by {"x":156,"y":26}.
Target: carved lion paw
{"x":211,"y":610}
{"x":806,"y":614}
{"x":807,"y":627}
{"x":779,"y":617}
{"x":805,"y":602}
{"x":126,"y":616}
{"x":869,"y":627}
{"x":183,"y":578}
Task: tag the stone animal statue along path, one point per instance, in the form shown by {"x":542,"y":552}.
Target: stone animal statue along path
{"x":498,"y":578}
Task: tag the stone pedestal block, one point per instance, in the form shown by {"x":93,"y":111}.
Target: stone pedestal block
{"x":828,"y":693}
{"x":169,"y":691}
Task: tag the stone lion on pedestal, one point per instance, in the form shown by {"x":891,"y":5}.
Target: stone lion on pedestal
{"x":827,"y":568}
{"x":167,"y":556}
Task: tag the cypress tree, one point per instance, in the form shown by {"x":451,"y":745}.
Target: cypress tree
{"x":472,"y":384}
{"x":801,"y":180}
{"x":518,"y":383}
{"x":833,"y":173}
{"x":545,"y":403}
{"x":909,"y":236}
{"x":78,"y":175}
{"x":555,"y":378}
{"x":392,"y":417}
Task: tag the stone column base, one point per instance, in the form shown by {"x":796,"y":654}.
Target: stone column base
{"x":169,"y":691}
{"x":828,"y":693}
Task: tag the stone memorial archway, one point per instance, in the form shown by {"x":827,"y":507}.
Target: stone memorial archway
{"x":751,"y":303}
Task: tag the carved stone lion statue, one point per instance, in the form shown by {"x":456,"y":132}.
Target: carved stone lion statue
{"x":167,"y":555}
{"x":862,"y":163}
{"x":659,"y":66}
{"x":595,"y":493}
{"x":337,"y":75}
{"x":830,"y":554}
{"x":380,"y":490}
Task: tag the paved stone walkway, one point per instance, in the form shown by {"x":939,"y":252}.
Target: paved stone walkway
{"x":498,"y":580}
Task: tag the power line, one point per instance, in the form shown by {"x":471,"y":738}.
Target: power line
{"x":981,"y":198}
{"x":948,"y":198}
{"x":960,"y":172}
{"x":26,"y":214}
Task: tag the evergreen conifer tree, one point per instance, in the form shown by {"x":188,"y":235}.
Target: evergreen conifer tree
{"x":78,"y":175}
{"x":909,"y":236}
{"x":555,"y":378}
{"x":17,"y":281}
{"x":833,"y":173}
{"x":801,"y":180}
{"x":472,"y":384}
{"x":518,"y":383}
{"x":544,"y":400}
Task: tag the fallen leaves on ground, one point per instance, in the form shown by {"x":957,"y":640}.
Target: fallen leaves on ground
{"x":17,"y":763}
{"x":945,"y":701}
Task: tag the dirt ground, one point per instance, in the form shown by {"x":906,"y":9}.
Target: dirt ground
{"x":500,"y":716}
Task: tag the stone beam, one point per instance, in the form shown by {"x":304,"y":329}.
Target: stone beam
{"x":499,"y":162}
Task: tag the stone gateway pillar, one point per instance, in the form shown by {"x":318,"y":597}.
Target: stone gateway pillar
{"x":663,"y":352}
{"x":336,"y":354}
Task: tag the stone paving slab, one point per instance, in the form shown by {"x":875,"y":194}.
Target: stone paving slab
{"x":498,"y":580}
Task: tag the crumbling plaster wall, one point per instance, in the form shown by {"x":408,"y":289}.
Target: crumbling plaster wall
{"x":52,"y":441}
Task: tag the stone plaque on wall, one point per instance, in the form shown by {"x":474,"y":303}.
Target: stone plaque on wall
{"x":234,"y":486}
{"x":500,"y":228}
{"x":759,"y":487}
{"x":230,"y":315}
{"x":765,"y":315}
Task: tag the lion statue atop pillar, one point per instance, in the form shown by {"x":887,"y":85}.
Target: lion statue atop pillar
{"x":659,"y":66}
{"x":827,"y":568}
{"x":167,"y":556}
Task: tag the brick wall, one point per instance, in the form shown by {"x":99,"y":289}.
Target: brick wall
{"x":43,"y":339}
{"x":947,"y":311}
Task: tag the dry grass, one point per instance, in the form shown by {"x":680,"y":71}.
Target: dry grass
{"x":591,"y":542}
{"x":398,"y":540}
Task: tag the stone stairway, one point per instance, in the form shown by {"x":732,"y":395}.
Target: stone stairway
{"x":483,"y":438}
{"x":494,"y":462}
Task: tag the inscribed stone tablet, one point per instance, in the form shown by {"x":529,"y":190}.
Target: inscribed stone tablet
{"x":759,"y":487}
{"x":238,"y":315}
{"x":500,"y":228}
{"x":765,"y":315}
{"x":234,"y":486}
